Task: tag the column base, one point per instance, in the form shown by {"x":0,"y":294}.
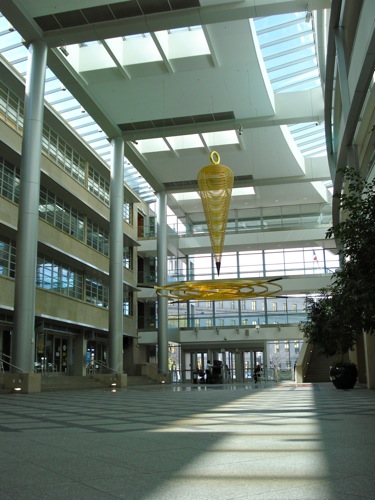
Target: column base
{"x":24,"y":383}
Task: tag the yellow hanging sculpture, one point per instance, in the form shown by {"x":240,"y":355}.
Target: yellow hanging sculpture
{"x":215,"y":185}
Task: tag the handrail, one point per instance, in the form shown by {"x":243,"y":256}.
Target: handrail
{"x":2,"y":361}
{"x":103,"y":365}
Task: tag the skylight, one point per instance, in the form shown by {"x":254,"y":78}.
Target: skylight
{"x":15,"y":52}
{"x":288,"y":45}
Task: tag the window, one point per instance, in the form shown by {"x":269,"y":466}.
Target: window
{"x":128,"y":212}
{"x":286,"y":346}
{"x":128,"y":258}
{"x":274,"y":306}
{"x":296,"y":347}
{"x":60,"y":214}
{"x":128,"y":303}
{"x":97,"y":238}
{"x":58,"y":277}
{"x":7,"y":258}
{"x":277,"y":347}
{"x":9,"y":181}
{"x":253,"y":305}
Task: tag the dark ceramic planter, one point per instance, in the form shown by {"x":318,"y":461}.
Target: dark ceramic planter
{"x":343,"y":376}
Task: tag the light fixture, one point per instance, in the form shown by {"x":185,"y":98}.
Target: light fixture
{"x":215,"y":183}
{"x":64,"y":51}
{"x":217,"y":331}
{"x":240,"y":130}
{"x":257,"y":328}
{"x":237,"y":329}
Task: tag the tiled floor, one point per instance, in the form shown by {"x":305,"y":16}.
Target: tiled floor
{"x":189,"y":442}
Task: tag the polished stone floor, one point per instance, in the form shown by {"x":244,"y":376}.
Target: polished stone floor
{"x":175,"y":442}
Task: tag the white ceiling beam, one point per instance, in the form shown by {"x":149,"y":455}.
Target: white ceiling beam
{"x":166,"y":61}
{"x":295,"y":107}
{"x":212,"y":14}
{"x":211,"y":46}
{"x":112,"y":55}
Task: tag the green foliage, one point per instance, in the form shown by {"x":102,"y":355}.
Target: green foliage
{"x":327,"y":325}
{"x":340,"y":314}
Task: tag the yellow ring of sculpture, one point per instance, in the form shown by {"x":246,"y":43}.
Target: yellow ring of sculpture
{"x":231,"y":289}
{"x":217,"y":161}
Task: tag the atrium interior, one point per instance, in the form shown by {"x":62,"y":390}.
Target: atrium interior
{"x":108,"y":112}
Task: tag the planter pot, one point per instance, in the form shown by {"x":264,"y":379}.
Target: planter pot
{"x":343,"y":376}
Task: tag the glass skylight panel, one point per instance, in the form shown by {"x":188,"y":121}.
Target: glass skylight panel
{"x":151,"y":146}
{"x":193,"y":195}
{"x":285,"y":41}
{"x":185,"y":141}
{"x":14,"y":51}
{"x":140,"y":50}
{"x":183,"y":42}
{"x":21,"y":66}
{"x":220,"y":138}
{"x":243,"y":191}
{"x":299,"y":66}
{"x":288,"y":47}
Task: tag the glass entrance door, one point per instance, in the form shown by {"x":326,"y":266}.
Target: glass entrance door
{"x":60,"y":353}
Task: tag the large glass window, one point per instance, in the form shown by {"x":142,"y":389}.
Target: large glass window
{"x":60,"y":214}
{"x":7,"y":258}
{"x":128,"y":303}
{"x":96,"y":292}
{"x":9,"y":180}
{"x":58,"y":277}
{"x":98,"y":185}
{"x":97,"y":237}
{"x":128,"y":212}
{"x":128,"y":258}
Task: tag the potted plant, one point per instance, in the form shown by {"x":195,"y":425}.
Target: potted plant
{"x":328,"y":328}
{"x":341,"y":313}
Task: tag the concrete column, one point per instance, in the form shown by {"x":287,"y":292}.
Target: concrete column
{"x":369,"y":348}
{"x":266,"y":363}
{"x":162,"y":271}
{"x":79,"y":355}
{"x":23,"y":338}
{"x":116,"y":246}
{"x":239,"y":366}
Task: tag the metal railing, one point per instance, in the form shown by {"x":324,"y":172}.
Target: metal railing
{"x":8,"y":363}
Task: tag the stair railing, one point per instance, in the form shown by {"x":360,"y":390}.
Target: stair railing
{"x":8,"y":363}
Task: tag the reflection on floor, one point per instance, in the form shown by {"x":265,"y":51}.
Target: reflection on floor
{"x":276,"y":441}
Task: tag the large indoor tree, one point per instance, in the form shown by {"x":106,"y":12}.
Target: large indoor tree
{"x":346,"y":309}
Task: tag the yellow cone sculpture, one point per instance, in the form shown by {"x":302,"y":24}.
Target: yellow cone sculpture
{"x":215,"y":183}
